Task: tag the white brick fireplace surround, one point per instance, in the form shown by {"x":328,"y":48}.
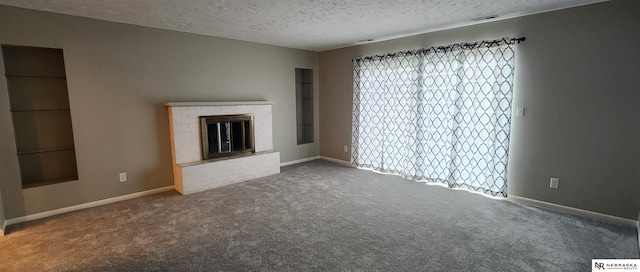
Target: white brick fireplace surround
{"x":190,"y":173}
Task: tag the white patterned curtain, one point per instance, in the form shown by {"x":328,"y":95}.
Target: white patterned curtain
{"x":440,"y":114}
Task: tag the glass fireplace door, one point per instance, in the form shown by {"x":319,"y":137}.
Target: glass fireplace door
{"x":226,"y":135}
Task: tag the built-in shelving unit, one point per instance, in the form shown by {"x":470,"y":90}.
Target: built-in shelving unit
{"x":304,"y":105}
{"x":37,"y":85}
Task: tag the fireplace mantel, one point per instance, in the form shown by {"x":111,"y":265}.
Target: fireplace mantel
{"x":191,"y":173}
{"x":219,"y":103}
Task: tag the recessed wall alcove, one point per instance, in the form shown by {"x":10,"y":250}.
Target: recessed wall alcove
{"x":192,"y":173}
{"x":41,"y":114}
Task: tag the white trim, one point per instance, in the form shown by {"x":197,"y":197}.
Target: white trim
{"x":84,"y":206}
{"x":571,"y":210}
{"x":345,"y":163}
{"x":283,"y":164}
{"x":4,"y":228}
{"x":228,"y":103}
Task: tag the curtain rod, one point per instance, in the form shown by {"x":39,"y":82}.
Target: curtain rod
{"x":450,"y":47}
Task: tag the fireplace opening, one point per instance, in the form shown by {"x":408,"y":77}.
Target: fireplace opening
{"x":226,"y":135}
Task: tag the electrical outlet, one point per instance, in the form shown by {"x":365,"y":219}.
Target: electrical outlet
{"x":519,"y":111}
{"x":345,"y":148}
{"x":554,"y":183}
{"x":123,"y":177}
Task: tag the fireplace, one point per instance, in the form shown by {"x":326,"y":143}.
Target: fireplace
{"x":226,"y":135}
{"x":215,"y":144}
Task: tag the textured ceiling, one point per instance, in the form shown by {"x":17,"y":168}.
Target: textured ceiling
{"x":315,"y":25}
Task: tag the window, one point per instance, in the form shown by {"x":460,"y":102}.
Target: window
{"x":439,"y":114}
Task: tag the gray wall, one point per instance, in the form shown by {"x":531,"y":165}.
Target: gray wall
{"x":577,"y":74}
{"x":118,"y":76}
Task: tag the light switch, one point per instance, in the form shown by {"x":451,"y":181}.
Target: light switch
{"x":520,"y":111}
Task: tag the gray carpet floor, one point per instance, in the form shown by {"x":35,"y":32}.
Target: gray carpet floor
{"x":315,"y":216}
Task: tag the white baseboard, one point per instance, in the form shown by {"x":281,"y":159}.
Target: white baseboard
{"x":4,"y":228}
{"x":283,"y":164}
{"x":83,"y":206}
{"x":315,"y":158}
{"x":346,"y":163}
{"x":574,"y":211}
